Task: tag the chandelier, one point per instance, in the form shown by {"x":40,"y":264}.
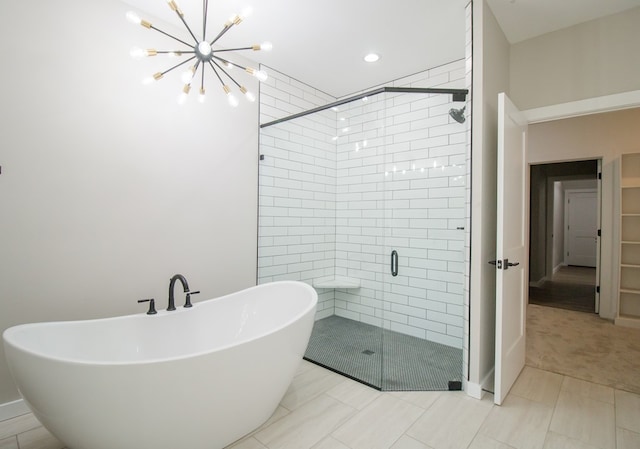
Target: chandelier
{"x":200,"y":53}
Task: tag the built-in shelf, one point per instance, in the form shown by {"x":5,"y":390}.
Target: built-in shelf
{"x":336,"y":282}
{"x":629,"y":263}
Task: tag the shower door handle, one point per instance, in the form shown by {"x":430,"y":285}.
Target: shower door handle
{"x":394,"y":263}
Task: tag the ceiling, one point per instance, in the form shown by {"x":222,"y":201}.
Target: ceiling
{"x":322,"y":43}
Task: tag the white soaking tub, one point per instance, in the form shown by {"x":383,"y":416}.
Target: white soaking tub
{"x":196,"y":378}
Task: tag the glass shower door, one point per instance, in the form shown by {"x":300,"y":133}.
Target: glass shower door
{"x":423,"y":244}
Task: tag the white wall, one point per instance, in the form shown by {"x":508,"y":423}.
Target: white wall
{"x":490,"y":77}
{"x":588,"y":60}
{"x":107,"y":187}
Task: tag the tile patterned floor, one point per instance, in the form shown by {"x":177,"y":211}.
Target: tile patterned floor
{"x":323,"y":410}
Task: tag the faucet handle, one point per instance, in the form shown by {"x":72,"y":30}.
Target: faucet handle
{"x":187,"y":302}
{"x":152,"y":305}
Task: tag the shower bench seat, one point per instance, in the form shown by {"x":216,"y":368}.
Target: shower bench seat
{"x":336,"y":282}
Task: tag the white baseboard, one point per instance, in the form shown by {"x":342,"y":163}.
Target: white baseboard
{"x":10,"y":410}
{"x":474,"y":390}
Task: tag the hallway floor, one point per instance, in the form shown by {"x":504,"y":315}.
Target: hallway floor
{"x":572,"y":288}
{"x":583,"y":346}
{"x":323,"y":410}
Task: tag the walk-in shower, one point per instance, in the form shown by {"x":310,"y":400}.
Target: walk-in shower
{"x":365,"y":199}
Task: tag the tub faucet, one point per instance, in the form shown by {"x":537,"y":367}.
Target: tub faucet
{"x":185,"y":286}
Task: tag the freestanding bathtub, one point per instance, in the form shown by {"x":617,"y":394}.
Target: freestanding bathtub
{"x":196,"y":378}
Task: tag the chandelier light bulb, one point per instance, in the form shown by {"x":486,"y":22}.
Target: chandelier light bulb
{"x":133,"y":18}
{"x":233,"y":101}
{"x":248,"y":95}
{"x":262,"y":76}
{"x":150,"y":80}
{"x":137,"y":53}
{"x":202,"y":97}
{"x":187,"y":75}
{"x":246,"y":12}
{"x":266,"y":46}
{"x":182,"y":99}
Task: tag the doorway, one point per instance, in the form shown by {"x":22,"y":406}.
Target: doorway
{"x":564,"y":223}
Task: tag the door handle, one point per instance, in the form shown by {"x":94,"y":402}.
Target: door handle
{"x":394,"y":263}
{"x":499,"y":264}
{"x":508,"y":264}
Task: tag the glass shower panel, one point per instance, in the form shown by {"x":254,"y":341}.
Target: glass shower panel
{"x":359,"y":213}
{"x":424,"y":239}
{"x":366,"y":202}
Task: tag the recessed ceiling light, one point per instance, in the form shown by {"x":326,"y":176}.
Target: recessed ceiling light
{"x":371,"y":57}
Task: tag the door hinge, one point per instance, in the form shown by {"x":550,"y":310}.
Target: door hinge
{"x":597,"y":289}
{"x":600,"y":175}
{"x":599,"y":232}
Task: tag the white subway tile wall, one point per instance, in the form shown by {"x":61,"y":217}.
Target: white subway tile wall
{"x":342,"y":188}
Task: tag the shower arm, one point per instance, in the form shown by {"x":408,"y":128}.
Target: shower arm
{"x":457,"y":94}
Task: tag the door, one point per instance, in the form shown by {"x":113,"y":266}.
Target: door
{"x":581,"y":208}
{"x":511,"y":247}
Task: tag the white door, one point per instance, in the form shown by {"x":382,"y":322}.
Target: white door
{"x":581,"y":208}
{"x":511,"y":247}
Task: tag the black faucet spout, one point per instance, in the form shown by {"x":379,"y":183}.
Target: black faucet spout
{"x":172,"y":283}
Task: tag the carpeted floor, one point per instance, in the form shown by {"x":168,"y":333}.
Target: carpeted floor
{"x":583,"y":346}
{"x":383,"y":359}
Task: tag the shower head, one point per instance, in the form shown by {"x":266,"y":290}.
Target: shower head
{"x":457,"y":114}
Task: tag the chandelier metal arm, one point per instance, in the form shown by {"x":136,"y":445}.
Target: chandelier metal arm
{"x":233,"y":49}
{"x":195,"y":39}
{"x":226,"y":73}
{"x":217,"y":74}
{"x":178,"y":65}
{"x":171,"y":36}
{"x":224,"y":30}
{"x":175,"y":52}
{"x":228,"y":62}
